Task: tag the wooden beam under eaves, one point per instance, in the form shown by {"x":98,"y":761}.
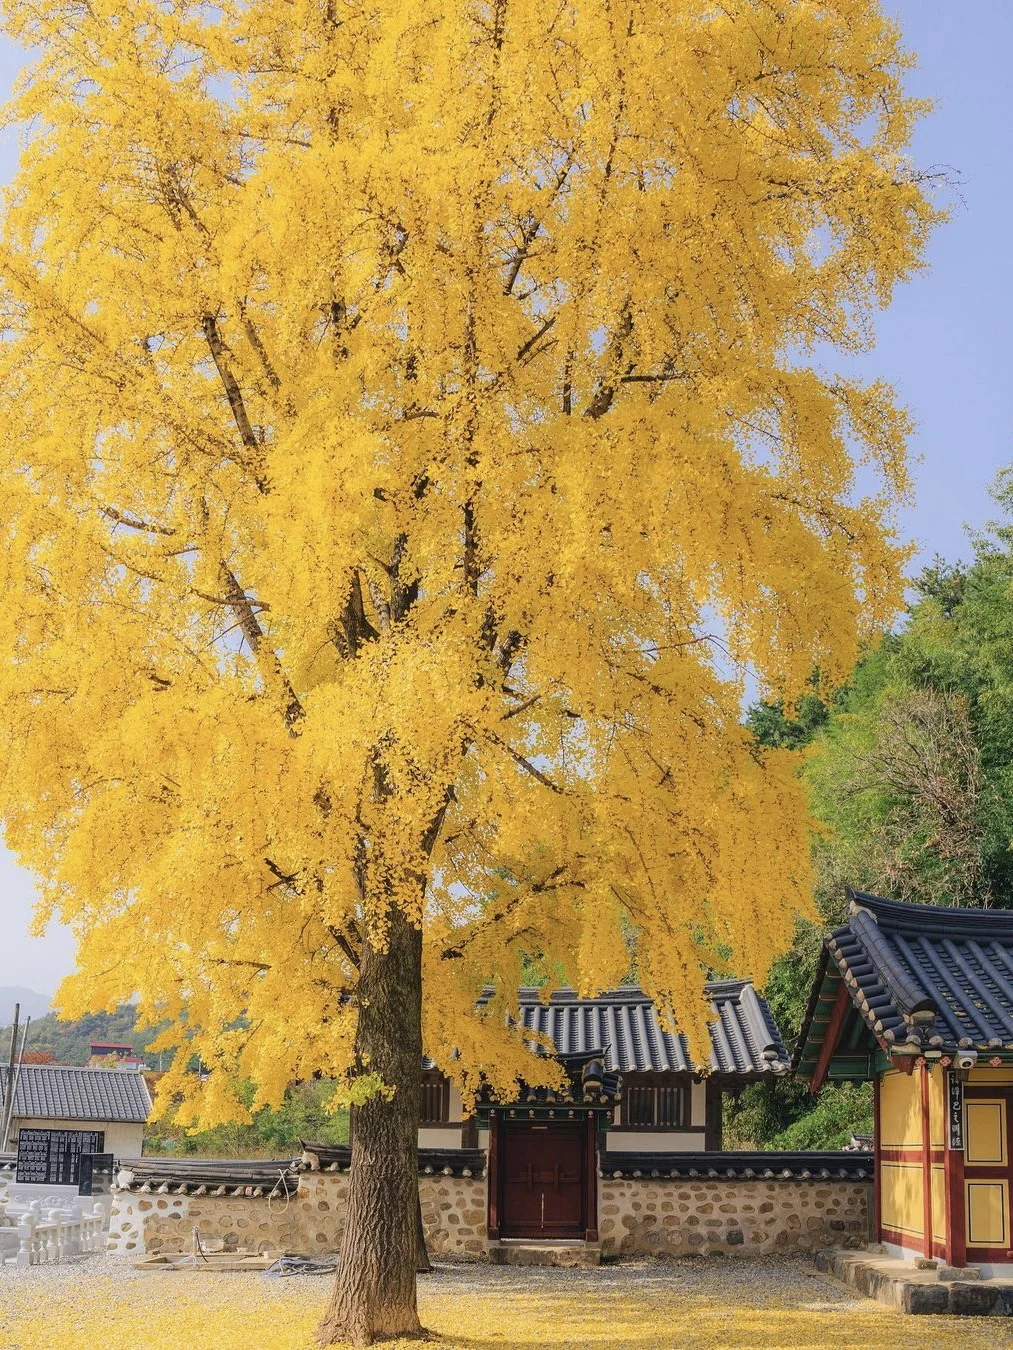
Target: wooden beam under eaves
{"x":839,"y":1012}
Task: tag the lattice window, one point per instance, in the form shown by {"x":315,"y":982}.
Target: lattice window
{"x":435,"y":1101}
{"x":663,"y":1105}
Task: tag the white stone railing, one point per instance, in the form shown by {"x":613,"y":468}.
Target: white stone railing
{"x":44,"y":1236}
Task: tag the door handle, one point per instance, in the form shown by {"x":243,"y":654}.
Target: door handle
{"x":543,"y":1210}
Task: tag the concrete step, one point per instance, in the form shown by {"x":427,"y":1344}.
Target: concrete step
{"x":900,"y":1285}
{"x":524,"y":1252}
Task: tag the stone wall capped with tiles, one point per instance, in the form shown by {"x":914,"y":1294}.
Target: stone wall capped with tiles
{"x":309,"y":1222}
{"x":638,"y":1216}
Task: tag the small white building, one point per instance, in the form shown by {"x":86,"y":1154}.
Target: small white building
{"x":114,"y":1102}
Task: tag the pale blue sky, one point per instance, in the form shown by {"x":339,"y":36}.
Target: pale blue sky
{"x":946,"y":344}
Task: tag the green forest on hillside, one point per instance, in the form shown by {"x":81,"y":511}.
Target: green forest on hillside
{"x":910,"y":773}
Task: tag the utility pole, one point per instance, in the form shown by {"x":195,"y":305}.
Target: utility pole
{"x":9,"y":1088}
{"x":13,"y":1090}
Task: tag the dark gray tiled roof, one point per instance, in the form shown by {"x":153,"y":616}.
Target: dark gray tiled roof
{"x":924,"y":977}
{"x":624,"y":1024}
{"x":258,"y":1177}
{"x":62,"y":1092}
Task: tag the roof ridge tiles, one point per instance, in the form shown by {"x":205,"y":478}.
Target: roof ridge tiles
{"x":957,"y":921}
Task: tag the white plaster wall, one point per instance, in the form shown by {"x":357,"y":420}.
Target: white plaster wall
{"x":124,"y":1141}
{"x":448,"y":1135}
{"x":440,"y":1136}
{"x":698,"y":1104}
{"x":652,"y":1141}
{"x":900,"y":1253}
{"x":126,"y":1225}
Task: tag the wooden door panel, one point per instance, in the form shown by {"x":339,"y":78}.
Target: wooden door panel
{"x":543,"y":1180}
{"x":988,"y":1121}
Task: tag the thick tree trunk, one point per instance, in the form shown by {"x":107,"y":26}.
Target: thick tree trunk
{"x":374,"y":1292}
{"x":422,"y":1263}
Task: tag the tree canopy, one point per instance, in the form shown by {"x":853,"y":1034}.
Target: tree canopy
{"x":411,"y":437}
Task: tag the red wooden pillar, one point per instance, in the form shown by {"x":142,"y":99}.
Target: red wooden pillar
{"x":493,"y":1170}
{"x":953,"y":1163}
{"x":877,"y":1174}
{"x":926,"y":1163}
{"x":591,"y":1177}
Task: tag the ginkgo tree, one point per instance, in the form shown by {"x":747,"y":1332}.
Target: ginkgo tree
{"x":410,"y":439}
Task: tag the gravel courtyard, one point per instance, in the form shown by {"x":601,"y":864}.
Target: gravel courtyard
{"x":103,"y":1304}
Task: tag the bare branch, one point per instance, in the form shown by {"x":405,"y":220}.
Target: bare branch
{"x":523,"y":707}
{"x":133,"y":523}
{"x":524,"y":763}
{"x":351,"y":629}
{"x":242,"y":608}
{"x":232,"y":391}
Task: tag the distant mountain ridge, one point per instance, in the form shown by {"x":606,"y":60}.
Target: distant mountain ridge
{"x":33,"y":1005}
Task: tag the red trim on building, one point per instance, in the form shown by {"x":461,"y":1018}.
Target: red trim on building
{"x":911,"y":1242}
{"x":877,"y":1154}
{"x":591,"y":1178}
{"x":912,"y":1153}
{"x":988,"y":1172}
{"x":493,"y":1176}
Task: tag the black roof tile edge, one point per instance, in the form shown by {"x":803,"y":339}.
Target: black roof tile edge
{"x":447,"y":1161}
{"x":819,"y":979}
{"x":261,"y":1178}
{"x":758,"y":1166}
{"x":934,"y":920}
{"x":769,"y":1054}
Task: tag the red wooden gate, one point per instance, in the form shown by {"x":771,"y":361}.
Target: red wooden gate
{"x":542,"y":1180}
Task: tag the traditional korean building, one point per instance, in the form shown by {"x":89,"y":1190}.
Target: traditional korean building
{"x":633,"y":1090}
{"x":626,"y":1159}
{"x":919,"y":999}
{"x":113,"y":1105}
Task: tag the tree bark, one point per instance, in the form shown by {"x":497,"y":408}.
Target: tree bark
{"x":422,"y":1263}
{"x":374,"y":1291}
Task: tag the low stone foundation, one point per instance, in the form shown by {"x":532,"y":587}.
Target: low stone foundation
{"x":309,"y":1222}
{"x":679,"y":1218}
{"x":935,"y":1292}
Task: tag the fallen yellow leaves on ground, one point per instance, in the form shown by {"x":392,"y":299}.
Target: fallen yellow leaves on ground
{"x":181,"y":1312}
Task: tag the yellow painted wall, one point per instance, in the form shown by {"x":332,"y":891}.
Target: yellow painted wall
{"x":986,"y":1077}
{"x":987,"y":1214}
{"x":985,"y":1144}
{"x":900,"y":1111}
{"x":937,"y":1107}
{"x":901,"y":1197}
{"x":939,"y":1203}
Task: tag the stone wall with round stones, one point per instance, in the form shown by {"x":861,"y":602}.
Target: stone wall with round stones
{"x":638,"y":1216}
{"x":309,"y":1222}
{"x":454,"y":1215}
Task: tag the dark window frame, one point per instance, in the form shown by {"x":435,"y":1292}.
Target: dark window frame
{"x":657,"y":1101}
{"x":434,"y":1106}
